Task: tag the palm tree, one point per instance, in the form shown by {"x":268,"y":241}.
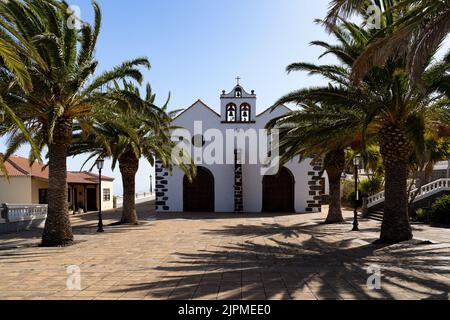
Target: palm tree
{"x":419,"y":28}
{"x":13,"y":70}
{"x":318,"y":131}
{"x":131,"y":128}
{"x":328,"y":123}
{"x":444,"y":83}
{"x":63,"y":92}
{"x":393,"y":111}
{"x":13,"y":49}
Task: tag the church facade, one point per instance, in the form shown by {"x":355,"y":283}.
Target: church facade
{"x":237,"y":184}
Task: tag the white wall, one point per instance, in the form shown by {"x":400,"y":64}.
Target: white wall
{"x":106,"y":205}
{"x":224,"y":174}
{"x":16,"y":191}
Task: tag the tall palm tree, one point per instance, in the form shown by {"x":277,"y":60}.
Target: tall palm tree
{"x":13,"y":49}
{"x":420,"y":27}
{"x":328,"y":123}
{"x":394,"y":113}
{"x":13,"y":70}
{"x":320,"y":131}
{"x":131,"y":128}
{"x":64,"y":91}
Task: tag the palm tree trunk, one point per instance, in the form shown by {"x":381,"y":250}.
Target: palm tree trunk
{"x":334,"y":170}
{"x":395,"y":149}
{"x":58,"y":231}
{"x":129,"y":166}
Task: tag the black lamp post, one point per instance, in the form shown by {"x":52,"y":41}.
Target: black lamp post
{"x":357,"y":164}
{"x":151,"y":184}
{"x":99,"y":163}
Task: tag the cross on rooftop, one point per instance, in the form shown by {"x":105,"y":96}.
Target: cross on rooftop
{"x":238,"y":78}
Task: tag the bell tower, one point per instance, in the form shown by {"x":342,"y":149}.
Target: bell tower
{"x":238,"y":106}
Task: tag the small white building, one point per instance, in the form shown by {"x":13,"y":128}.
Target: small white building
{"x":28,"y":185}
{"x":239,"y":186}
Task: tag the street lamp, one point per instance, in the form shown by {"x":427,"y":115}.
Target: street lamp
{"x":151,"y":184}
{"x":99,"y":163}
{"x":357,"y":164}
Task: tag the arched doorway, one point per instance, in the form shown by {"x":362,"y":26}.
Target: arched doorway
{"x":198,"y":196}
{"x":279,"y":191}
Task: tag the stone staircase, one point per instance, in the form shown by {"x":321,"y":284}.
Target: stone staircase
{"x":376,"y":215}
{"x":428,"y":193}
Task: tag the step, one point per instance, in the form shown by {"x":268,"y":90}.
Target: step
{"x":376,"y":215}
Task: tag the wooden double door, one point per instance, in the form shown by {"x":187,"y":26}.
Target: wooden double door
{"x":279,"y":192}
{"x":198,"y":195}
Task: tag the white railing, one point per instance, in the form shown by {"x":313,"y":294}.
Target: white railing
{"x":375,"y":199}
{"x":432,"y":188}
{"x":139,"y":197}
{"x":143,"y":195}
{"x":425,"y":191}
{"x":23,"y":212}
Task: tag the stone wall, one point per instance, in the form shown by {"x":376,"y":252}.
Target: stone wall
{"x":316,"y":189}
{"x":161,"y":188}
{"x":238,"y":185}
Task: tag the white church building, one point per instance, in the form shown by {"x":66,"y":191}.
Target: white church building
{"x":237,"y":185}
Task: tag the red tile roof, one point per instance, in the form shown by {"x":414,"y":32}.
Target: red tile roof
{"x":20,"y":167}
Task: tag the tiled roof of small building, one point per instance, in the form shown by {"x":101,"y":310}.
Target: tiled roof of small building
{"x":20,"y":167}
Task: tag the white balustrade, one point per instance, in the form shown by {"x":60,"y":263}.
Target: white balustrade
{"x":425,"y":191}
{"x":17,"y":212}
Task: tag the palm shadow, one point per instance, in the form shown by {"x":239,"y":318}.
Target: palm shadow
{"x":301,"y":262}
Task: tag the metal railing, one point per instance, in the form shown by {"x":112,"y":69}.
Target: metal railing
{"x":23,"y":212}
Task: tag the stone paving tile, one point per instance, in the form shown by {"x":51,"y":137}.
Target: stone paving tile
{"x":229,"y":257}
{"x":234,"y":294}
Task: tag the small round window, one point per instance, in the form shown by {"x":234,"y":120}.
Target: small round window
{"x":198,"y":141}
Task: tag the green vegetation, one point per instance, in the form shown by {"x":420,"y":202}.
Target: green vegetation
{"x":396,"y":108}
{"x":387,"y":99}
{"x":48,"y":83}
{"x":372,"y":186}
{"x":440,"y":212}
{"x":126,"y":128}
{"x":420,"y":215}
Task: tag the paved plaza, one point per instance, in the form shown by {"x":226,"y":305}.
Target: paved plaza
{"x":217,"y":256}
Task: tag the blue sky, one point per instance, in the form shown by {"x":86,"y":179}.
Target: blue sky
{"x":198,"y":47}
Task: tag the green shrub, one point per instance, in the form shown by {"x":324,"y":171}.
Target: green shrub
{"x":440,"y":211}
{"x":366,"y":187}
{"x":351,"y":200}
{"x":370,"y":187}
{"x":420,"y":215}
{"x":348,"y":187}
